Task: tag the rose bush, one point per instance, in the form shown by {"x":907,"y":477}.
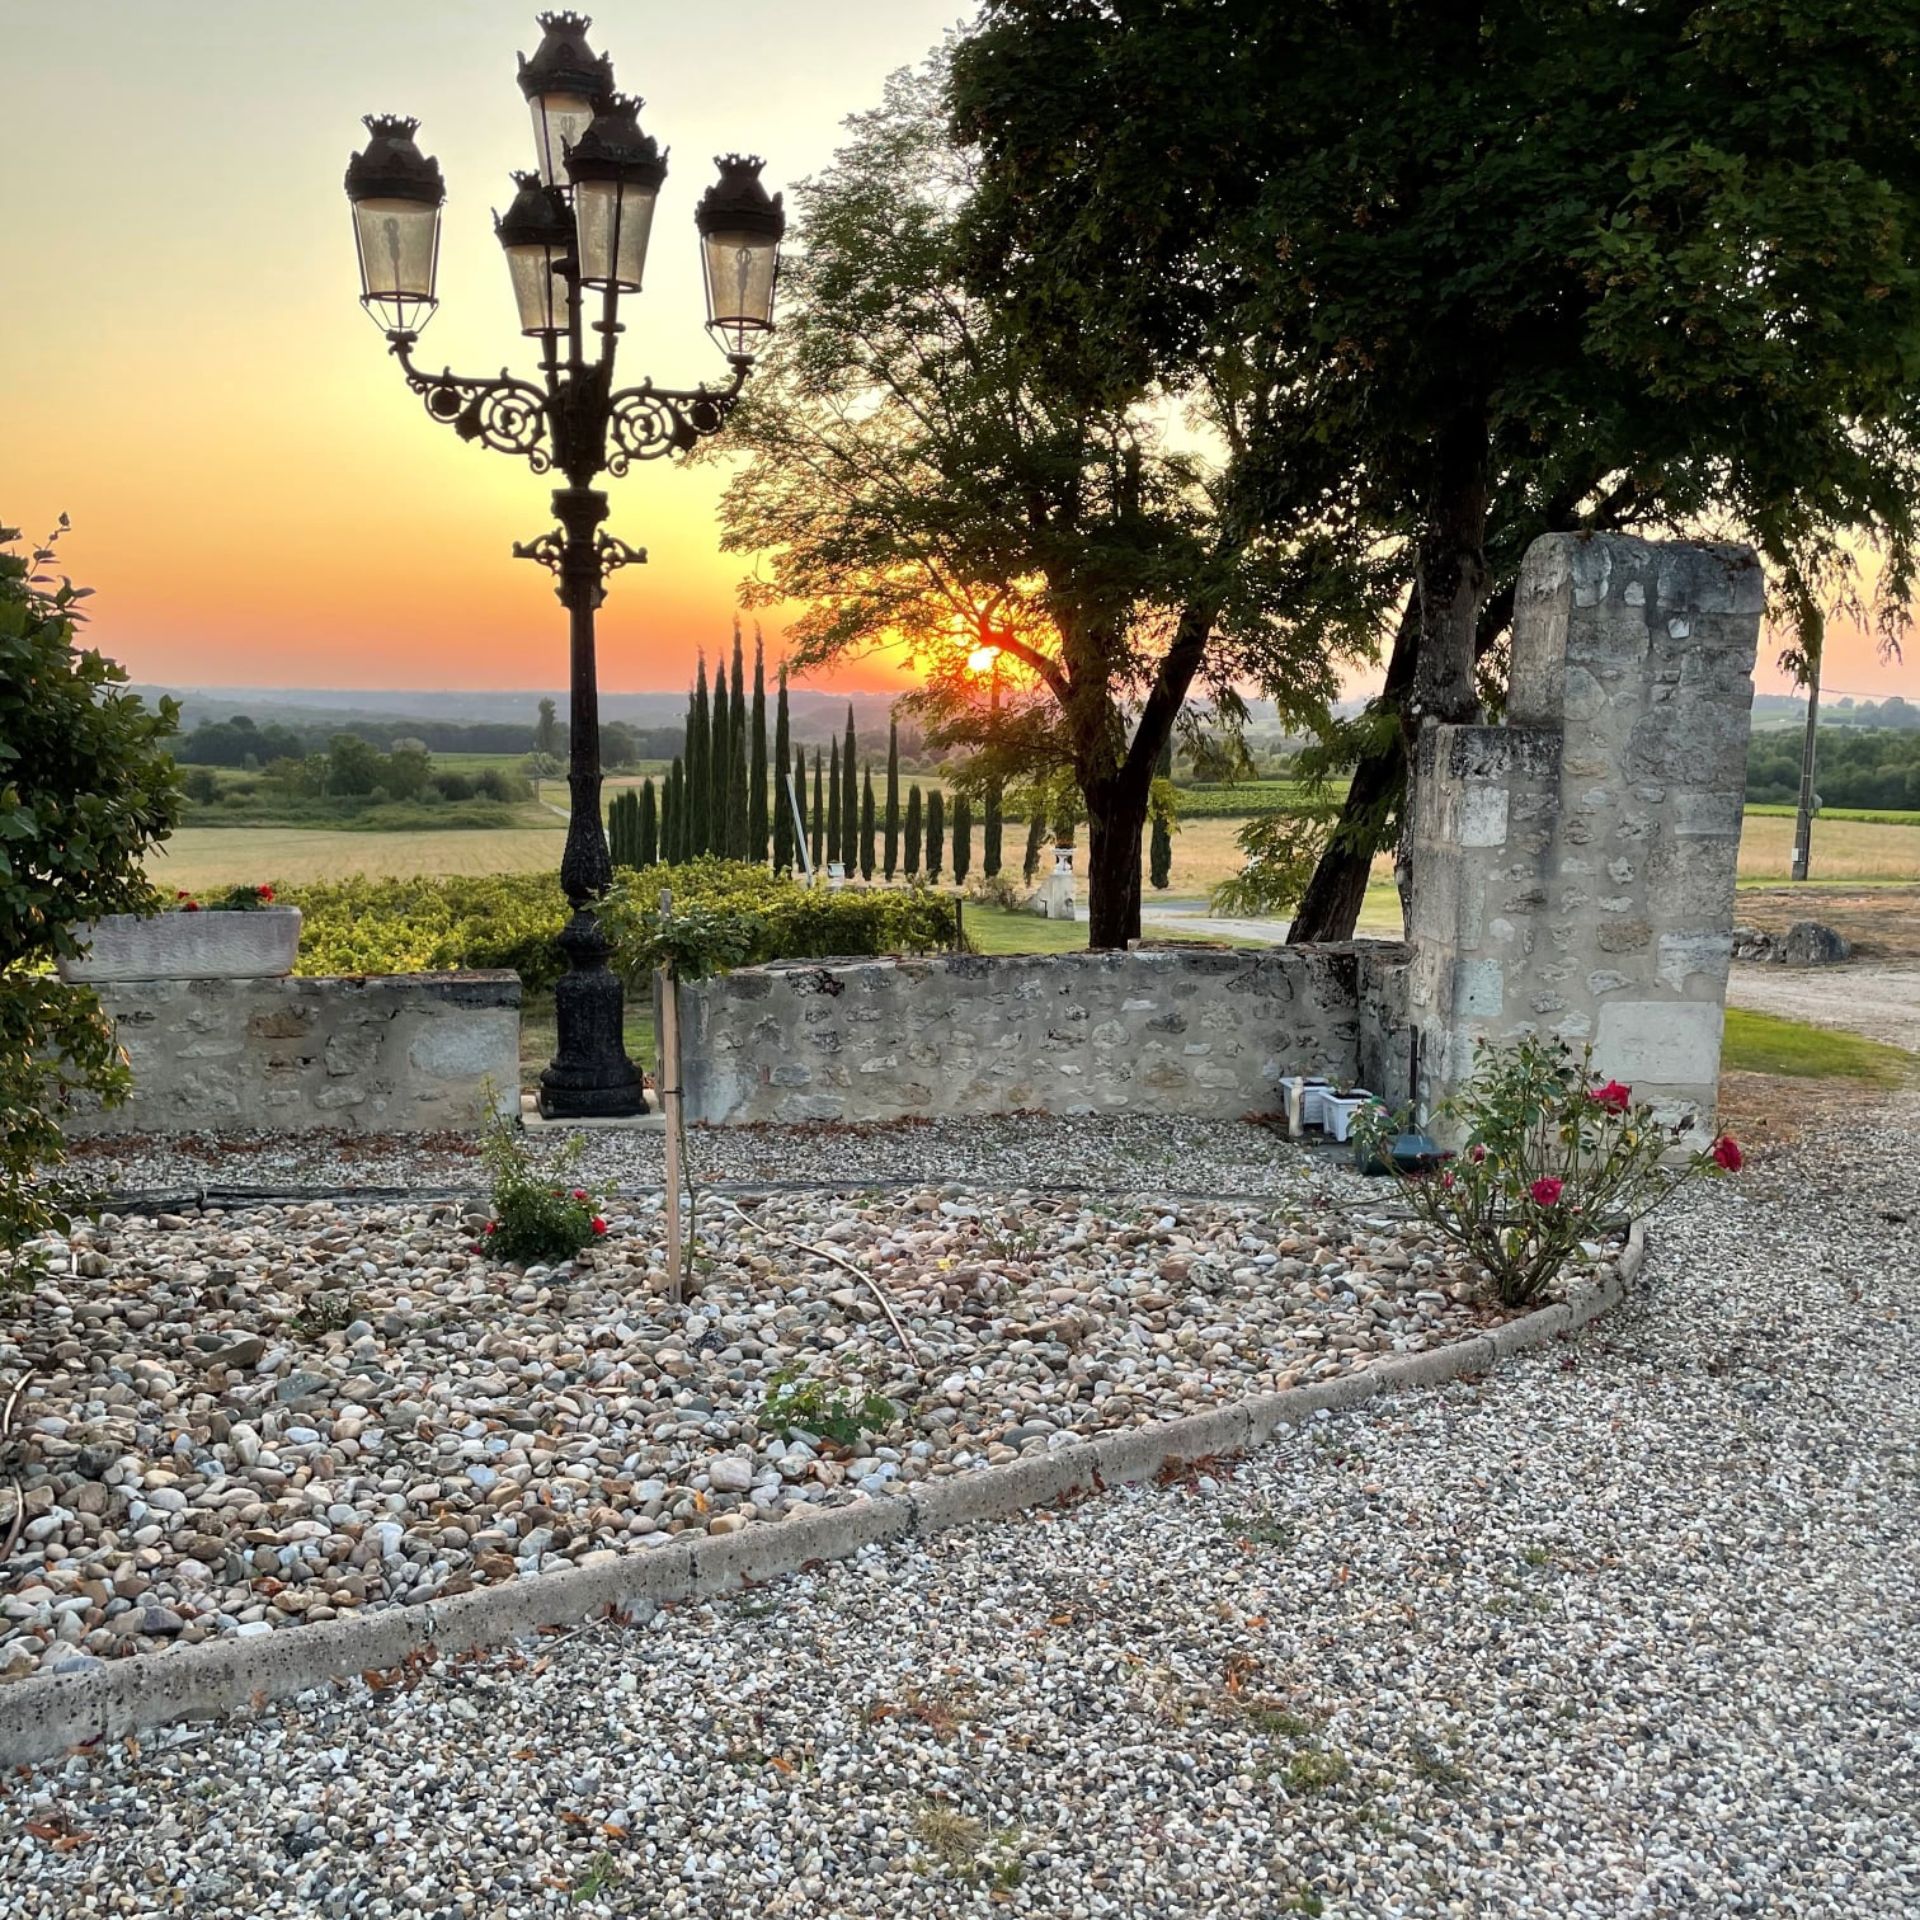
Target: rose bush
{"x":1550,"y":1160}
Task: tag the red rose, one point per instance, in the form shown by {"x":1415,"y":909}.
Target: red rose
{"x":265,"y":893}
{"x":599,"y":1225}
{"x":1477,"y":1154}
{"x":579,"y":1193}
{"x":1546,"y":1191}
{"x":1727,"y":1155}
{"x":192,"y":906}
{"x":493,"y":1226}
{"x":1446,"y":1180}
{"x":179,"y":893}
{"x":1613,"y":1097}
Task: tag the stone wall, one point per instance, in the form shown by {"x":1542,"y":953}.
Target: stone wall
{"x":383,"y":1053}
{"x":1573,"y":871}
{"x":1167,"y":1030}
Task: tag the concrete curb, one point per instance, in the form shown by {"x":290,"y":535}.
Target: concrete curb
{"x":49,"y":1714}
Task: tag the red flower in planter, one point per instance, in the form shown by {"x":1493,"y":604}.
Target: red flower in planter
{"x":580,"y":1193}
{"x":1727,"y":1155}
{"x":265,"y":894}
{"x":599,"y":1225}
{"x":1613,"y":1097}
{"x":190,"y":906}
{"x":1546,"y":1191}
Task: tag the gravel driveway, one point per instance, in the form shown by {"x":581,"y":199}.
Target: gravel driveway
{"x":1628,"y":1628}
{"x":1880,"y":999}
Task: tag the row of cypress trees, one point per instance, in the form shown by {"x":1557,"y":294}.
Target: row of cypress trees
{"x":723,"y":795}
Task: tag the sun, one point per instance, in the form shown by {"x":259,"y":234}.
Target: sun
{"x":982,"y":659}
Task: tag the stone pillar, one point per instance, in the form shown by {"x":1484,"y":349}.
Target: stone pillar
{"x":1573,"y":870}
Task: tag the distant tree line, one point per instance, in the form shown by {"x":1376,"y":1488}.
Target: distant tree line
{"x":1854,"y":767}
{"x":240,"y":742}
{"x":741,"y":790}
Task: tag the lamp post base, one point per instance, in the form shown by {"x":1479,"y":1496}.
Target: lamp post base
{"x":590,"y":1077}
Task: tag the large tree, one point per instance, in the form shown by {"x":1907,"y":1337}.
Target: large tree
{"x":918,"y":477}
{"x":1526,"y":264}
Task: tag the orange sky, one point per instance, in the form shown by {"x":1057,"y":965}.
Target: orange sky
{"x":257,"y":498}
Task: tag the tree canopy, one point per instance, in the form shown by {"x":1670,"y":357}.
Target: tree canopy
{"x":921,"y":476}
{"x":1517,"y":266}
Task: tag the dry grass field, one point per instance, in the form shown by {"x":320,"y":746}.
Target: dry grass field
{"x":1850,"y":852}
{"x":199,"y":858}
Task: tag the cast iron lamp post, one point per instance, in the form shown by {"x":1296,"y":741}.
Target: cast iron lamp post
{"x":575,"y":238}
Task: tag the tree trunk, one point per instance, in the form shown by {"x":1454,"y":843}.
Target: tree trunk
{"x":1116,"y":821}
{"x":1330,"y":907}
{"x":1453,"y":576}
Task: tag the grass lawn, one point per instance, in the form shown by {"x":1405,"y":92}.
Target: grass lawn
{"x":539,"y":1036}
{"x":1764,"y":1043}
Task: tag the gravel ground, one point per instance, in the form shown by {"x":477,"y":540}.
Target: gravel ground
{"x":235,"y":1421}
{"x":1133,"y":1153}
{"x":1629,"y":1628}
{"x":1876,"y":998}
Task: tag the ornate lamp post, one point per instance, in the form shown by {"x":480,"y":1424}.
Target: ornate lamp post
{"x":575,"y":237}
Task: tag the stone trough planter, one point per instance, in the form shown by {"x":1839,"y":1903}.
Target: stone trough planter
{"x":214,"y":945}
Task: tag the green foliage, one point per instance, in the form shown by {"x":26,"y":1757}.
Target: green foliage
{"x":1551,"y":1159}
{"x":891,"y":860}
{"x":87,"y":790}
{"x":1856,"y":767}
{"x":726,"y":914}
{"x":784,"y":859}
{"x":797,"y":1403}
{"x":866,"y":826}
{"x":962,"y":838}
{"x":539,"y":1214}
{"x":910,"y":855}
{"x":759,"y":821}
{"x":512,"y":920}
{"x":936,"y":833}
{"x":992,"y":822}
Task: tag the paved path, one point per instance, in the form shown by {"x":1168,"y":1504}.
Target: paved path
{"x":1191,"y":916}
{"x":1627,"y":1629}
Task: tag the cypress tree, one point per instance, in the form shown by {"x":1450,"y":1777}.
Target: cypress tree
{"x":936,"y":833}
{"x":699,"y":781}
{"x":849,"y":800}
{"x":817,"y":820}
{"x":647,"y":853}
{"x":739,"y":783}
{"x":1160,"y":846}
{"x":962,"y":838}
{"x":892,"y":861}
{"x":673,"y":816}
{"x":616,"y":823}
{"x":990,"y":833}
{"x":759,"y":821}
{"x":720,"y":766}
{"x":866,"y":826}
{"x":834,"y":850}
{"x":782,"y":762}
{"x":912,"y":848}
{"x":1036,"y":832}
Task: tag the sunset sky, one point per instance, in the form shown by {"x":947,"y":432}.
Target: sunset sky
{"x":257,"y":498}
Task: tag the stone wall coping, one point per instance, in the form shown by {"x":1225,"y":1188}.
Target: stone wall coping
{"x":51,"y":1713}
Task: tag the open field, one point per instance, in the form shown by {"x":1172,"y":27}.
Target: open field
{"x":204,"y":857}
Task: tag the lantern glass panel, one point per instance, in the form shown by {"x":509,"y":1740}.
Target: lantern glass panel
{"x":538,"y":291}
{"x":740,"y":272}
{"x":559,"y":119}
{"x":398,"y":240}
{"x":615,"y":221}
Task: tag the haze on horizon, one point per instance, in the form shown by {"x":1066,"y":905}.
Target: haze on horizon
{"x":256,"y":498}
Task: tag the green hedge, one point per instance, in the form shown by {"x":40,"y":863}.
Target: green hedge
{"x":511,"y":920}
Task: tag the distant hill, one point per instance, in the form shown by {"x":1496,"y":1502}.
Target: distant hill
{"x":311,"y":707}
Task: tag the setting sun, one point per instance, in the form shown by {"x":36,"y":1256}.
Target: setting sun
{"x":983,"y":659}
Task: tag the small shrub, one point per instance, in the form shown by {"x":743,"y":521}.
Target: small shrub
{"x":536,"y":1217}
{"x":797,"y":1405}
{"x":1551,"y":1159}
